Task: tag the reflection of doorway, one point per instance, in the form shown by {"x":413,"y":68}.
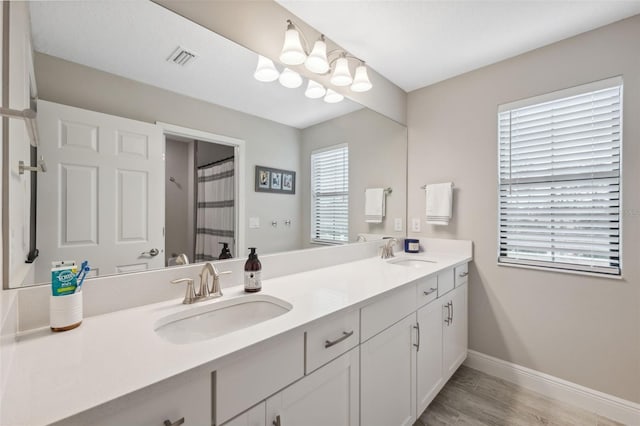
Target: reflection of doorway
{"x":204,"y":193}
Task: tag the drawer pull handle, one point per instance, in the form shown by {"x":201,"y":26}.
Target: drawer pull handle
{"x":277,"y":422}
{"x":176,"y":423}
{"x":428,"y":292}
{"x":345,"y":335}
{"x":463,"y":274}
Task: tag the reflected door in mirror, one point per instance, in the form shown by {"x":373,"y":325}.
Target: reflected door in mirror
{"x":100,"y":200}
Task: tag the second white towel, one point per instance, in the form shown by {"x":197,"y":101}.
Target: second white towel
{"x":439,"y":206}
{"x":374,"y":205}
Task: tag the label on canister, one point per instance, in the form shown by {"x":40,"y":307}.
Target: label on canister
{"x":252,"y":280}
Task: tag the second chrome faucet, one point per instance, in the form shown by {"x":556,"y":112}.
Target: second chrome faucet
{"x":205,"y":291}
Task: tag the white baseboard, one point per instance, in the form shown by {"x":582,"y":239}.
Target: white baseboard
{"x":606,"y":405}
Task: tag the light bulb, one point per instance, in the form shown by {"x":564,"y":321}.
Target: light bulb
{"x":266,"y":71}
{"x":341,"y":75}
{"x":333,"y":97}
{"x":292,"y":51}
{"x":290,"y":79}
{"x":361,"y":81}
{"x":314,"y":90}
{"x":317,"y":61}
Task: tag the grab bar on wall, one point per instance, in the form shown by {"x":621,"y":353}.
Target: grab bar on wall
{"x":29,"y":117}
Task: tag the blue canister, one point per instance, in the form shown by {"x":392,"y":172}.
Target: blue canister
{"x":411,"y":245}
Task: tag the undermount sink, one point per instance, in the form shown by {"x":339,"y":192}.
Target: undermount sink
{"x":411,"y":262}
{"x":214,"y":320}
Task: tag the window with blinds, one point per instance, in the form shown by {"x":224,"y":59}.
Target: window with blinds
{"x":559,"y":179}
{"x":330,"y":195}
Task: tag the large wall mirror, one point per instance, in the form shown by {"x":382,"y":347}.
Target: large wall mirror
{"x":133,"y":138}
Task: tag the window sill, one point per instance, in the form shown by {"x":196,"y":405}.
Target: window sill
{"x":562,"y":271}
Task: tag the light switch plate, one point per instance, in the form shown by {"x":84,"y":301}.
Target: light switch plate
{"x":397,"y":224}
{"x":415,"y":224}
{"x":254,"y":222}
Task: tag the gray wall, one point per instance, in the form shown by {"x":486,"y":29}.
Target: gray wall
{"x":210,"y":152}
{"x":268,"y":143}
{"x":177,"y":196}
{"x":377,"y":158}
{"x":579,"y":328}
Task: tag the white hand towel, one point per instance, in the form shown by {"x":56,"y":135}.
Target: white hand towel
{"x":439,"y":203}
{"x":374,"y":205}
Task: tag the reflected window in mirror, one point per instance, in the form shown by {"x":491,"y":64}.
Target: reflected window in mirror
{"x":330,"y":195}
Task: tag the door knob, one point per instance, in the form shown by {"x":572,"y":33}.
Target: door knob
{"x":153,"y":252}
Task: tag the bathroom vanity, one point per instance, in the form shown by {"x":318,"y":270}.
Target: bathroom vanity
{"x":368,"y":342}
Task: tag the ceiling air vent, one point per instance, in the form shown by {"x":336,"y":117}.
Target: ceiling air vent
{"x":181,"y":56}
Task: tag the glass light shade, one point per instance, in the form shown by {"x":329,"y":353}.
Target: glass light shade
{"x":333,"y":97}
{"x":315,"y":90}
{"x":292,"y":51}
{"x":266,"y":71}
{"x":290,"y":79}
{"x":361,"y":81}
{"x":341,"y":75}
{"x":317,"y":61}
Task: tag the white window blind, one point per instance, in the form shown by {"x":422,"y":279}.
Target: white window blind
{"x":330,"y":195}
{"x":559,"y":182}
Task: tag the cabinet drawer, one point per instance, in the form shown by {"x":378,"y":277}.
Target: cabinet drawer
{"x":330,"y":338}
{"x":426,"y":290}
{"x":446,"y":282}
{"x":256,"y":373}
{"x":187,"y":395}
{"x":462,"y":274}
{"x":387,"y":311}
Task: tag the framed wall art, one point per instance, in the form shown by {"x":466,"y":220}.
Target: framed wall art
{"x":276,"y":181}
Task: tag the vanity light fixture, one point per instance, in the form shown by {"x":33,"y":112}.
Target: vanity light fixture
{"x":294,"y":52}
{"x":266,"y":71}
{"x":333,"y":97}
{"x":361,"y":81}
{"x":290,"y":79}
{"x":315,"y":90}
{"x":341,"y":74}
{"x":317,"y":61}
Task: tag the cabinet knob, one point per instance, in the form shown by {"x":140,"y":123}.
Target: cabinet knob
{"x":176,"y":423}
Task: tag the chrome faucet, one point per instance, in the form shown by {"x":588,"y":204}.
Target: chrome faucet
{"x":386,"y":251}
{"x":204,"y":292}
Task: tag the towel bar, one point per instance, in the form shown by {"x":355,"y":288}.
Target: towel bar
{"x":425,"y":186}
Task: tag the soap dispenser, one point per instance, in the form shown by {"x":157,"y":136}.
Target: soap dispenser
{"x":252,"y":271}
{"x":225,"y":253}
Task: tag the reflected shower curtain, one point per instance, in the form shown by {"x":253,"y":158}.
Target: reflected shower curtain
{"x":215,"y":214}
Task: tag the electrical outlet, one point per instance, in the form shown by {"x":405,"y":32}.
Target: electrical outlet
{"x":397,"y":224}
{"x":415,"y":224}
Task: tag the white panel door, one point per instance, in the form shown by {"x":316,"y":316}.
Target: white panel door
{"x":102,"y":198}
{"x":326,"y":397}
{"x":387,"y":376}
{"x":455,"y":330}
{"x":429,"y":354}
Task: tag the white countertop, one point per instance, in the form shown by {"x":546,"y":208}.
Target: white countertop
{"x":57,"y":375}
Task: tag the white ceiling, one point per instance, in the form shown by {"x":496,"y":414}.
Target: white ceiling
{"x":418,"y":43}
{"x":133,"y":39}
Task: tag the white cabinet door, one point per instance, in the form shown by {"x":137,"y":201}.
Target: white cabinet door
{"x":102,"y":198}
{"x":252,"y":417}
{"x":328,"y":396}
{"x":387,"y":393}
{"x":185,"y":397}
{"x":455,"y":332}
{"x":429,"y":355}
